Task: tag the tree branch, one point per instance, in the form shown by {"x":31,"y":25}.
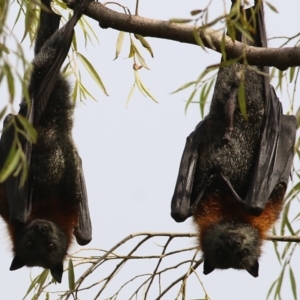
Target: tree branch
{"x":281,"y":58}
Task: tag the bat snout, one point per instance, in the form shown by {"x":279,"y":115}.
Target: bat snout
{"x":233,"y":240}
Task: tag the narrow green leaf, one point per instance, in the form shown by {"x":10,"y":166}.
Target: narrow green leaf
{"x":144,"y":43}
{"x":130,"y":95}
{"x":205,"y":96}
{"x":3,"y":7}
{"x":32,"y":285}
{"x":196,"y":12}
{"x":209,"y":40}
{"x":198,"y":38}
{"x":271,"y":288}
{"x":230,"y":30}
{"x":280,"y":76}
{"x":243,"y":31}
{"x":149,"y":94}
{"x":43,"y":276}
{"x":292,"y":73}
{"x":85,"y":91}
{"x":87,"y":26}
{"x":131,"y":51}
{"x":183,"y":87}
{"x":120,"y":41}
{"x":242,"y":100}
{"x":272,"y":7}
{"x":92,"y":72}
{"x":2,"y":46}
{"x":138,"y":82}
{"x":202,"y":100}
{"x":2,"y":112}
{"x":10,"y":81}
{"x":223,"y":48}
{"x":277,"y":251}
{"x":289,"y":226}
{"x":11,"y":163}
{"x":29,"y":18}
{"x":180,"y":21}
{"x":285,"y":250}
{"x":138,"y":54}
{"x":141,"y":60}
{"x":189,"y":100}
{"x":202,"y":75}
{"x":293,"y":284}
{"x":30,"y":130}
{"x":295,"y":189}
{"x":71,"y":275}
{"x":74,"y":43}
{"x":279,"y":282}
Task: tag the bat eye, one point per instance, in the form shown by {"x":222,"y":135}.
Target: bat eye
{"x":50,"y":247}
{"x":29,"y":245}
{"x":244,"y":253}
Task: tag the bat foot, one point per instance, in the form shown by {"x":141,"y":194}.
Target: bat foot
{"x":82,"y":3}
{"x":227,"y":136}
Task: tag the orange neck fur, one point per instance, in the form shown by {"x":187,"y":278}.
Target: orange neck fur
{"x":214,"y":208}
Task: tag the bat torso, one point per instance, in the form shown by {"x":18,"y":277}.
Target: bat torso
{"x":236,"y":163}
{"x":46,"y":209}
{"x":53,"y":177}
{"x":234,"y":159}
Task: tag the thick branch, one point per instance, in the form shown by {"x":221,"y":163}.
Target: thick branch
{"x":281,"y":58}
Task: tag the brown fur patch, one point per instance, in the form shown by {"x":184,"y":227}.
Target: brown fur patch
{"x":214,"y":209}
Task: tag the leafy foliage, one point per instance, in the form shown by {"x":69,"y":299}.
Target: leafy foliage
{"x":150,"y":283}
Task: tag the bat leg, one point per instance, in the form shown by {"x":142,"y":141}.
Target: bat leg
{"x":235,"y":194}
{"x":201,"y":194}
{"x":229,"y":113}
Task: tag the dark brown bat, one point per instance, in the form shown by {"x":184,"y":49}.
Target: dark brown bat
{"x":43,"y":214}
{"x":234,"y":172}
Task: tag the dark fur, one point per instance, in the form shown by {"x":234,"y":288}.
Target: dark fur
{"x":43,"y":214}
{"x":234,"y":172}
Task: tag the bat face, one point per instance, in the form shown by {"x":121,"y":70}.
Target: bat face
{"x":229,"y":245}
{"x":40,"y":243}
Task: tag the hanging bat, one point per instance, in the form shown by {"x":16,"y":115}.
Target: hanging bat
{"x":43,"y":213}
{"x":234,"y":172}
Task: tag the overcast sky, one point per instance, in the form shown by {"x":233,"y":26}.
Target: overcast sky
{"x":131,"y":155}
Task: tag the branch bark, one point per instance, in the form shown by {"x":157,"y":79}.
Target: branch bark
{"x":281,"y":58}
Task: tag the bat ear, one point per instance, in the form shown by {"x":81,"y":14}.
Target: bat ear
{"x":57,"y":272}
{"x":207,"y":267}
{"x":253,"y":270}
{"x":16,"y":264}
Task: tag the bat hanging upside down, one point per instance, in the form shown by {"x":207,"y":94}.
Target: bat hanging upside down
{"x":43,"y":213}
{"x":234,"y":172}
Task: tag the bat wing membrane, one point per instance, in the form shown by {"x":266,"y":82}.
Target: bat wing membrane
{"x":181,"y":207}
{"x":274,"y":160}
{"x":19,"y":195}
{"x":275,"y":157}
{"x":83,"y":231}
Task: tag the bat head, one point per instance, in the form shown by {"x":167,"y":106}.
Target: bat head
{"x":40,"y":243}
{"x":230,"y":245}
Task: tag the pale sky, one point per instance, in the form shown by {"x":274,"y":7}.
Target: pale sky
{"x":131,"y":155}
